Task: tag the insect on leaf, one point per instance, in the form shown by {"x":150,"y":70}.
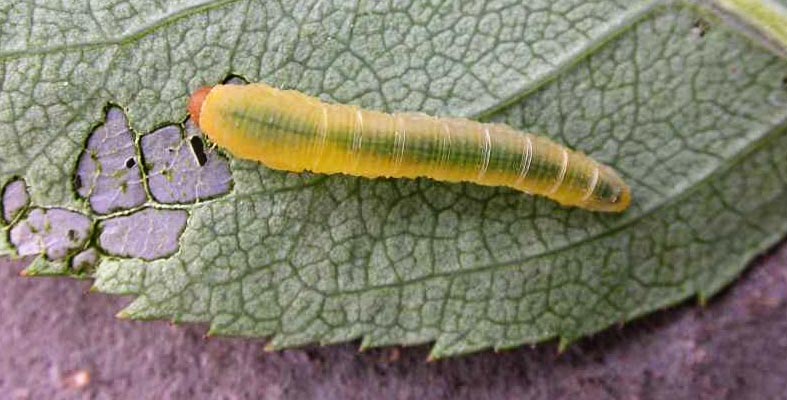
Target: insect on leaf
{"x":103,"y":176}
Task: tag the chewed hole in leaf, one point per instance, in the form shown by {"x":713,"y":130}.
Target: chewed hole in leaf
{"x":15,"y":199}
{"x":84,"y":260}
{"x":148,"y":234}
{"x":235,"y":80}
{"x":54,"y":232}
{"x":198,"y":148}
{"x":104,"y":175}
{"x":178,"y":168}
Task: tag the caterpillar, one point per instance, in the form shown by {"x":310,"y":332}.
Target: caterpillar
{"x":288,"y":130}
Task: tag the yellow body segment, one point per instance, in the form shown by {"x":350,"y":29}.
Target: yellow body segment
{"x":291,"y":131}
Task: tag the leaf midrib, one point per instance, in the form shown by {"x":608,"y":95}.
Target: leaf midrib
{"x":627,"y":22}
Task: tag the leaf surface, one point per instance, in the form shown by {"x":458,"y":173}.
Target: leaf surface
{"x":692,"y":112}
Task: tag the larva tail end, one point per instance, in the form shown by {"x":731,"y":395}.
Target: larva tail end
{"x":618,"y":203}
{"x":195,"y":103}
{"x":610,"y":193}
{"x":625,"y":199}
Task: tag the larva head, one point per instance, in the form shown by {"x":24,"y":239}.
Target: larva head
{"x":195,"y":103}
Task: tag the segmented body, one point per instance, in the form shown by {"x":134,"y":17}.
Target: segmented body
{"x":291,"y":131}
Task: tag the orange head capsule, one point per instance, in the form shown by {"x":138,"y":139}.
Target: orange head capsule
{"x":195,"y":103}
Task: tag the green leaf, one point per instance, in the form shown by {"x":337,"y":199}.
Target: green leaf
{"x":763,"y":19}
{"x":692,"y":112}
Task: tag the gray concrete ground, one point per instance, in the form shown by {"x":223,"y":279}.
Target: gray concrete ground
{"x":53,"y":335}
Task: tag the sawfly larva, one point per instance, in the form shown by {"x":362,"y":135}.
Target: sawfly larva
{"x":288,"y":130}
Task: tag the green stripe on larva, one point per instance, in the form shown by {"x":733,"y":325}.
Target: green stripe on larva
{"x":288,"y":130}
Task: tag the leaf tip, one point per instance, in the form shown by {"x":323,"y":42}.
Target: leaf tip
{"x":124,"y":315}
{"x":433,"y":357}
{"x":563,"y":345}
{"x":30,"y":272}
{"x":702,"y":299}
{"x":365,"y":344}
{"x":33,"y":269}
{"x":130,"y":312}
{"x":210,"y":333}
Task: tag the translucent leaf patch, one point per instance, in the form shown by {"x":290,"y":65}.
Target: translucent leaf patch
{"x":108,"y":173}
{"x":180,"y":169}
{"x":53,"y":232}
{"x":15,"y":199}
{"x":148,"y":234}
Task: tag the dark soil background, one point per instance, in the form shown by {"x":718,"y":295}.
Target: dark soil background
{"x":52,"y":333}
